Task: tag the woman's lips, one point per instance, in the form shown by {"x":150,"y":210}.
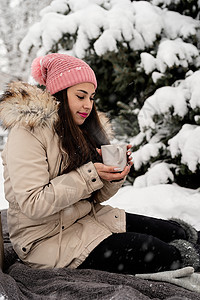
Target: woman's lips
{"x":83,"y":115}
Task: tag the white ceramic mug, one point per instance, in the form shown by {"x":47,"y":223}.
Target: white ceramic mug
{"x":115,"y":155}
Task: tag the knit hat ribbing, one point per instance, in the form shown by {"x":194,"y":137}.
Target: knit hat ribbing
{"x":58,"y":71}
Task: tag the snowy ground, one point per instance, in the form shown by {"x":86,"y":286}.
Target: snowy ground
{"x":163,"y":201}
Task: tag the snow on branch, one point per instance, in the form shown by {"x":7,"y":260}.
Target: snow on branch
{"x":158,"y":174}
{"x":187,"y":145}
{"x":176,"y":100}
{"x":102,"y":24}
{"x":163,"y":122}
{"x":145,"y":153}
{"x":162,"y":101}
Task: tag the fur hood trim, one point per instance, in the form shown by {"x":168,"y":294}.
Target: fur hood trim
{"x":31,"y":107}
{"x":28,"y":106}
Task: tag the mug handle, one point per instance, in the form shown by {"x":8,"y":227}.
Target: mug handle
{"x":120,"y":154}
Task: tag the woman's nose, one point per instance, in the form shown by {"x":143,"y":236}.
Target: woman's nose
{"x":88,"y":103}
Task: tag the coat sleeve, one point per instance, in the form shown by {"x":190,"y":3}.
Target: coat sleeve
{"x":37,"y":195}
{"x":109,"y":189}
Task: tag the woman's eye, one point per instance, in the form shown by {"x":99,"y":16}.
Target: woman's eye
{"x":92,"y":99}
{"x":80,"y":97}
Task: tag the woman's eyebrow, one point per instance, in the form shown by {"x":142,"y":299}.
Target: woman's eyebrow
{"x":85,"y":92}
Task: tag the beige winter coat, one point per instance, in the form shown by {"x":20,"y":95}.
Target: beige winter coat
{"x":52,"y":220}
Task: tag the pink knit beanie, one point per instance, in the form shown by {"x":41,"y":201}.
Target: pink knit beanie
{"x":59,"y":71}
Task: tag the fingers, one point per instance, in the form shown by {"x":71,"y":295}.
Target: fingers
{"x":99,"y":151}
{"x":110,"y":173}
{"x":118,"y":175}
{"x":126,"y":171}
{"x":106,"y":169}
{"x":113,"y":169}
{"x":129,"y":153}
{"x":129,"y":160}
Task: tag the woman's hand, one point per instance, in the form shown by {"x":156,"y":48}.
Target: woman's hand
{"x":111,"y":173}
{"x":129,"y":158}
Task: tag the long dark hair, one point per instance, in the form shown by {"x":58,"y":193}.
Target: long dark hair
{"x":78,"y":143}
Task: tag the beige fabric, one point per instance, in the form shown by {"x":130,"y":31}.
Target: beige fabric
{"x":51,"y":218}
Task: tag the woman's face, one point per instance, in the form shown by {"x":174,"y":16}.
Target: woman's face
{"x":80,"y":100}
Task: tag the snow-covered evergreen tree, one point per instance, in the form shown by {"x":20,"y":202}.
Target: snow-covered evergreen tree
{"x":168,"y":147}
{"x":117,"y":40}
{"x":145,"y":55}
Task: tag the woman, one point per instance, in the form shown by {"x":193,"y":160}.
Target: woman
{"x":55,"y":182}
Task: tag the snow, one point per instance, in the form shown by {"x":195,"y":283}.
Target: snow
{"x":192,"y":84}
{"x":14,"y":3}
{"x":156,"y":76}
{"x":145,"y":153}
{"x":187,"y":144}
{"x":168,"y":97}
{"x":4,"y":59}
{"x":161,"y":102}
{"x":161,"y":201}
{"x":165,"y":2}
{"x":35,"y":32}
{"x":172,"y":50}
{"x":148,"y":62}
{"x":159,"y":173}
{"x":176,"y":24}
{"x":175,"y":101}
{"x":175,"y":53}
{"x":59,"y":6}
{"x":148,"y":21}
{"x":170,"y":103}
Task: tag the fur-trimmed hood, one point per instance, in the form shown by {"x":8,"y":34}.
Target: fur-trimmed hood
{"x":28,"y":106}
{"x":32,"y":107}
